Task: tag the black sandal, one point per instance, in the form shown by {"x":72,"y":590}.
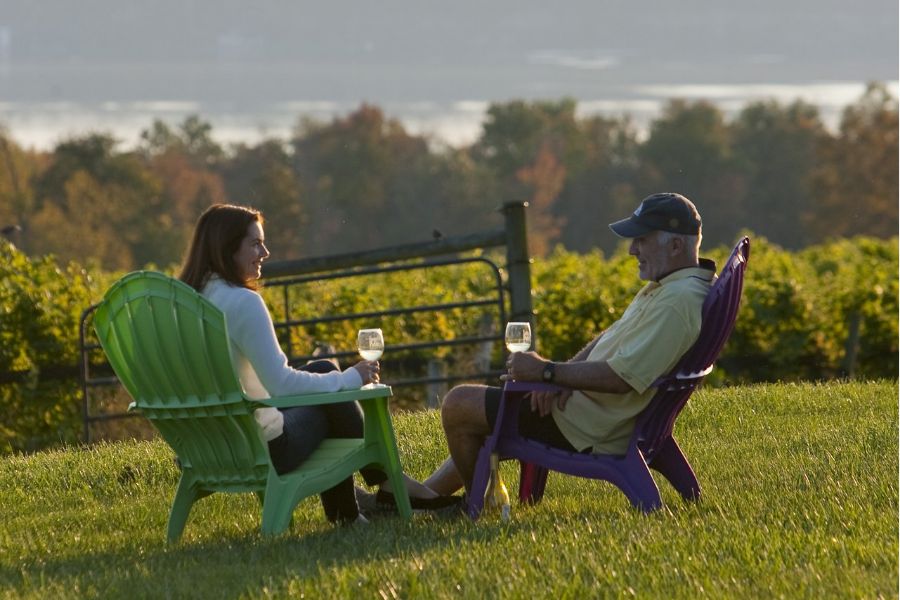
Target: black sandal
{"x":385,"y":500}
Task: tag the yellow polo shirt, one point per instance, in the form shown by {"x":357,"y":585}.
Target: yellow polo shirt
{"x":658,"y":327}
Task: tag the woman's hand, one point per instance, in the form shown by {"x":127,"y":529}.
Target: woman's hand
{"x":369,"y":371}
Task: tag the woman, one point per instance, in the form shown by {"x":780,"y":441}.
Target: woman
{"x":224,"y":264}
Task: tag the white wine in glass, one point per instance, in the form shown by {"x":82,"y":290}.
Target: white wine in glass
{"x":370,"y":343}
{"x":518,"y":336}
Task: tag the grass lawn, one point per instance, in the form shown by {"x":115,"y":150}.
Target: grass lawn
{"x":800,"y":501}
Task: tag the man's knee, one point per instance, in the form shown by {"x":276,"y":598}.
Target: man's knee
{"x":463,"y":407}
{"x":458,"y":402}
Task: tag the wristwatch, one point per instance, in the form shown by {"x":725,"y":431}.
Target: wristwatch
{"x":549,"y":372}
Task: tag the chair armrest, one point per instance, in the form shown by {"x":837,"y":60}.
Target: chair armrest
{"x":680,"y":379}
{"x":363,"y":393}
{"x":533,"y":386}
{"x":507,"y":424}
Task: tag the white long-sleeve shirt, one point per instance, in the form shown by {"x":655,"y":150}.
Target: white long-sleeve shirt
{"x":258,"y":359}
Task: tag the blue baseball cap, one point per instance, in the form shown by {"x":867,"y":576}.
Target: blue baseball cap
{"x":660,"y":212}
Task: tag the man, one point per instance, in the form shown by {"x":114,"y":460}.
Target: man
{"x":608,"y":381}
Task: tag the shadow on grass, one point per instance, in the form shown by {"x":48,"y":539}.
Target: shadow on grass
{"x":211,"y":554}
{"x":243,"y":559}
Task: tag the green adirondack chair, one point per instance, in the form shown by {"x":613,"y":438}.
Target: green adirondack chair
{"x":169,"y":347}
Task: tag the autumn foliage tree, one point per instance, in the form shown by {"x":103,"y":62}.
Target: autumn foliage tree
{"x":689,"y":151}
{"x":95,"y":203}
{"x":776,"y":149}
{"x":546,"y":178}
{"x":368,"y":183}
{"x":601,"y":188}
{"x":531,"y":148}
{"x":263,"y":177}
{"x":349,"y":167}
{"x":17,"y":170}
{"x":856,"y":183}
{"x":361,"y":180}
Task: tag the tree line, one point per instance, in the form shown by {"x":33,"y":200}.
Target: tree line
{"x":362,"y":181}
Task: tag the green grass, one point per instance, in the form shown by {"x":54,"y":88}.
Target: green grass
{"x":800,"y":500}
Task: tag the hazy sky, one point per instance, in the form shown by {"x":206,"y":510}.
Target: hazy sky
{"x":106,"y":61}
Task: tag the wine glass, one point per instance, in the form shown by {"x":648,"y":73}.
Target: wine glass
{"x":518,"y":336}
{"x":370,"y":343}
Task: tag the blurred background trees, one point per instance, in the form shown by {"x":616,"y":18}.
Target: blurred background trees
{"x":90,"y":208}
{"x":855,"y":183}
{"x":362,"y":181}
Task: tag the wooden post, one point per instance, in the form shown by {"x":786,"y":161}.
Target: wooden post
{"x":518,"y":265}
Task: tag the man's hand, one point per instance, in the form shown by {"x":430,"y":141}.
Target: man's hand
{"x":592,"y":375}
{"x":524,"y":366}
{"x":542,"y":402}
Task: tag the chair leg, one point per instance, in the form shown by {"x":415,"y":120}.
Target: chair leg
{"x":379,"y":426}
{"x":185,"y":496}
{"x":278,"y":507}
{"x":672,"y":464}
{"x":395,"y":477}
{"x":637,"y":484}
{"x":261,"y":496}
{"x":532,"y":481}
{"x":480,"y":480}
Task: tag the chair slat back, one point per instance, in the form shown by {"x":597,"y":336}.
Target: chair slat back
{"x":720,"y":309}
{"x":169,"y":347}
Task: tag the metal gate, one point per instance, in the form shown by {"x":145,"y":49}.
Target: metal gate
{"x":508,"y":298}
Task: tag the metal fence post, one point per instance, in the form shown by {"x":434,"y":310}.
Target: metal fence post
{"x":436,"y":390}
{"x":518,"y":264}
{"x":851,"y":346}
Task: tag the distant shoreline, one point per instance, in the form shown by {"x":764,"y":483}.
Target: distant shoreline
{"x":41,"y":125}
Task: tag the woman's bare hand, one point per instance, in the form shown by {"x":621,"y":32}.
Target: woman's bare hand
{"x":369,"y":371}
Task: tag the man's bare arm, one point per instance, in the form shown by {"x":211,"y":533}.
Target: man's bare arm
{"x":592,"y":375}
{"x":595,"y":376}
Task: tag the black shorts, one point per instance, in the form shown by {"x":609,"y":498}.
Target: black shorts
{"x":531,"y":424}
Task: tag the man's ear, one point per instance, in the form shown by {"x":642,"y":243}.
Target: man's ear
{"x":676,"y":244}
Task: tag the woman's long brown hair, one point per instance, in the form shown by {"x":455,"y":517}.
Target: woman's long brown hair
{"x":217,"y":236}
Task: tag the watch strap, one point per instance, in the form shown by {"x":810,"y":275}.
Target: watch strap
{"x":549,"y":372}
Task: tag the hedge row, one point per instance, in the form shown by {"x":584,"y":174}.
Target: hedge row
{"x":796,"y":319}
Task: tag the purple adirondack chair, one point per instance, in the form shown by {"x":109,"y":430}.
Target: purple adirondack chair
{"x":651,"y":444}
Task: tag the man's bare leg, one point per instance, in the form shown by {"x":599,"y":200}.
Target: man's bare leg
{"x":445,"y":480}
{"x":466,"y":427}
{"x":414,"y":488}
